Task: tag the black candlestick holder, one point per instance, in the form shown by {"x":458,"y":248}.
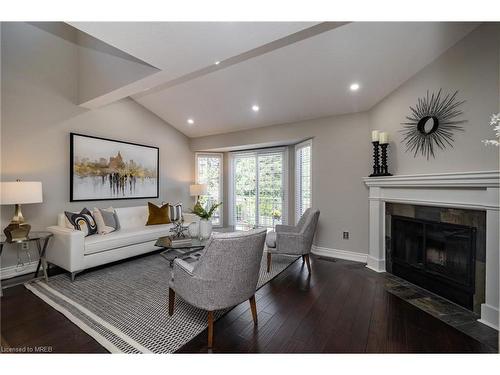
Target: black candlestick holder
{"x":376,"y":163}
{"x":384,"y":169}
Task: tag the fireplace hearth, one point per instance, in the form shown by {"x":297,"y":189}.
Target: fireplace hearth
{"x":437,"y":256}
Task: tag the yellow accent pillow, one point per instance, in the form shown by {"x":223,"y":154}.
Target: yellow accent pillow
{"x":158,"y":215}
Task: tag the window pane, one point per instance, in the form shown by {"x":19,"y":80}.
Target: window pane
{"x":209,"y":169}
{"x":245,"y":190}
{"x":270,"y":189}
{"x":259,"y":188}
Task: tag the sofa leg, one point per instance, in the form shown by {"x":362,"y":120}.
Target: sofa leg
{"x":210,"y":329}
{"x":253,"y":307}
{"x":269,"y":262}
{"x":305,"y":257}
{"x":171,"y":301}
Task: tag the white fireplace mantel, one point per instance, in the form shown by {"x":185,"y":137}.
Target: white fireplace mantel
{"x":467,"y":190}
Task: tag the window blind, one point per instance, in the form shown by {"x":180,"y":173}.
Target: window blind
{"x":303,"y":178}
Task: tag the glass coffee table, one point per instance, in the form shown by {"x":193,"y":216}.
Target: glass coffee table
{"x":191,"y":252}
{"x":183,"y":251}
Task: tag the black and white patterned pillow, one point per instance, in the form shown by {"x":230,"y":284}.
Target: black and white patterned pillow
{"x":82,"y":221}
{"x":175,"y":211}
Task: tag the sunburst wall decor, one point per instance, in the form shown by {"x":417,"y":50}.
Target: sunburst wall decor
{"x":431,"y":123}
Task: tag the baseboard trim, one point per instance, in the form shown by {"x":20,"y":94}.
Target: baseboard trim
{"x":377,"y":265}
{"x":340,"y":254}
{"x":10,"y":272}
{"x":489,"y":316}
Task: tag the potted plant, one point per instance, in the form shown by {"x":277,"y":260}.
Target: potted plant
{"x":205,"y":218}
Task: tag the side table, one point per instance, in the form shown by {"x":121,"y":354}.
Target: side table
{"x":42,"y":241}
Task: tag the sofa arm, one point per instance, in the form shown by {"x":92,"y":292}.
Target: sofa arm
{"x":66,"y":248}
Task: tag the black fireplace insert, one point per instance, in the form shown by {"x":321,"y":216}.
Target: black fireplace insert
{"x":437,"y":256}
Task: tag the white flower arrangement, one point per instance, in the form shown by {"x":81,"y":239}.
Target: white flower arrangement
{"x":495,"y":123}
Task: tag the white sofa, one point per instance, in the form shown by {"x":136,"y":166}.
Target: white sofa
{"x":72,"y":251}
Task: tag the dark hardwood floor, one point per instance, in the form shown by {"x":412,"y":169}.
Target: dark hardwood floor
{"x":341,"y":308}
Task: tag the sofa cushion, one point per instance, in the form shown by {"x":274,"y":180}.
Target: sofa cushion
{"x":106,"y":220}
{"x":175,"y":211}
{"x":132,"y":217}
{"x":158,"y":215}
{"x":83,"y":221}
{"x":121,"y":238}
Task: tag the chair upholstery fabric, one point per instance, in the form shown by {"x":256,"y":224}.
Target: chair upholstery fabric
{"x":226,"y":273}
{"x":271,"y":239}
{"x":294,"y":240}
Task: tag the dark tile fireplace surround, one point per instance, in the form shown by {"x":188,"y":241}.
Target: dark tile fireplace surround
{"x":440,"y":249}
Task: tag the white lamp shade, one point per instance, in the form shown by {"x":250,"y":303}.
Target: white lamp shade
{"x":197,"y":189}
{"x":21,"y":192}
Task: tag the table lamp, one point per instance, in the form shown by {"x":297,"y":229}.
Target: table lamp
{"x":17,"y":193}
{"x":196,"y":190}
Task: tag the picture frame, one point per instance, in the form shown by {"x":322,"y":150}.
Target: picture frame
{"x":109,"y":169}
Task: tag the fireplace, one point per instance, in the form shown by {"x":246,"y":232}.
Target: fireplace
{"x":463,"y":198}
{"x":437,"y":256}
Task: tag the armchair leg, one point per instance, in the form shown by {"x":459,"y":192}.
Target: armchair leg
{"x":210,"y":329}
{"x":269,"y":262}
{"x":253,"y":307}
{"x":305,"y":257}
{"x":171,"y":301}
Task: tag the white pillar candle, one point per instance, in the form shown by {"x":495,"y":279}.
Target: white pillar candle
{"x":384,"y":138}
{"x":375,"y":136}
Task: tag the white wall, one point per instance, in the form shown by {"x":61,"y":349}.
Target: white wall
{"x":39,"y":92}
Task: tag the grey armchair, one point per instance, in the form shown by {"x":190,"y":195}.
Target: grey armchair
{"x":293,"y":240}
{"x":225,"y":275}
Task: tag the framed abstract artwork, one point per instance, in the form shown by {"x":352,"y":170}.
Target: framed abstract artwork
{"x":106,"y":169}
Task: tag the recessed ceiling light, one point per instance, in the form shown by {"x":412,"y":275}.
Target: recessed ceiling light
{"x":190,"y":121}
{"x":217,"y":62}
{"x":255,"y":108}
{"x":354,"y":87}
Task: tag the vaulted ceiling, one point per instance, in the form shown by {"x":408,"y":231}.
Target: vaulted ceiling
{"x":213,"y":73}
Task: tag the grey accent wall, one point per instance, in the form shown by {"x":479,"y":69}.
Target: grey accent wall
{"x":471,"y":67}
{"x":341,"y":157}
{"x":39,"y":92}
